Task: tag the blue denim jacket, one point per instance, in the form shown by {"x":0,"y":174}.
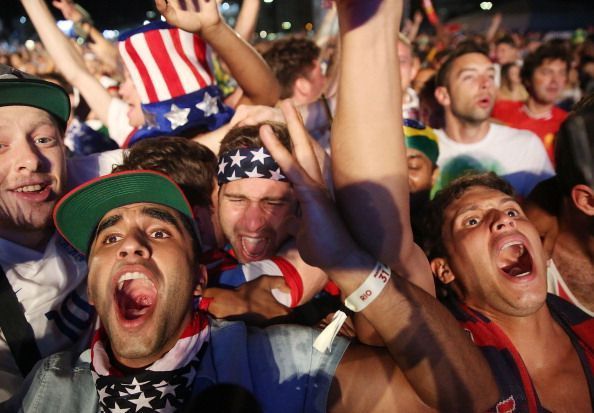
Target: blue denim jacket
{"x":278,"y":365}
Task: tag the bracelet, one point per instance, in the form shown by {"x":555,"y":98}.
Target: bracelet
{"x":357,"y":301}
{"x":370,"y":289}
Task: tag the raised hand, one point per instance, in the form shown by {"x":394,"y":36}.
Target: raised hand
{"x":322,"y":239}
{"x":68,"y":9}
{"x":193,"y":16}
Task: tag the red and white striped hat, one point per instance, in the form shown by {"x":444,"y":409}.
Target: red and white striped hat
{"x":170,"y":71}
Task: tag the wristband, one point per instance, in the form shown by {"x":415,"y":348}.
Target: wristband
{"x":370,"y":289}
{"x":357,"y":301}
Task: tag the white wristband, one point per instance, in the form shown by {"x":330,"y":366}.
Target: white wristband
{"x":357,"y":301}
{"x":370,"y":289}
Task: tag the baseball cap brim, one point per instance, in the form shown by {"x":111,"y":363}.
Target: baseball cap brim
{"x":78,"y":213}
{"x":36,"y":93}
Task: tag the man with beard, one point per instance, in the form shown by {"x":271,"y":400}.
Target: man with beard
{"x":469,"y":140}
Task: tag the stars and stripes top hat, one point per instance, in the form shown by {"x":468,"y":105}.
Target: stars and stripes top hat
{"x":170,"y":72}
{"x":254,"y":162}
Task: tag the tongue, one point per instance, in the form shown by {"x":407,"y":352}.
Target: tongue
{"x":254,"y":247}
{"x":136,"y":298}
{"x":514,"y":260}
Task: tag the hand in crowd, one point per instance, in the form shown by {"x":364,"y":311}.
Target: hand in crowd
{"x":322,"y":239}
{"x":191,"y":16}
{"x":68,"y":9}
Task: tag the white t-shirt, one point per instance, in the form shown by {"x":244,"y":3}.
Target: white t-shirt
{"x":117,"y":121}
{"x":51,"y":285}
{"x":516,"y":155}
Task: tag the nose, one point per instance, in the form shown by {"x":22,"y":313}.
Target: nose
{"x":501,"y":221}
{"x":254,"y":217}
{"x":27,"y":157}
{"x":134,"y":246}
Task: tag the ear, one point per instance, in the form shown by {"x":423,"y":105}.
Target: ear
{"x":582,"y":197}
{"x":302,"y":87}
{"x":442,"y":96}
{"x":201,"y":279}
{"x":434,"y":176}
{"x":441,"y":270}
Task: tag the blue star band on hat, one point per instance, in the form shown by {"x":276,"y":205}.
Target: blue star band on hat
{"x":244,"y":163}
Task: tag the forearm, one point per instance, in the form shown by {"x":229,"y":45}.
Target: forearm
{"x":248,"y":16}
{"x":424,"y":340}
{"x":368,"y":154}
{"x":245,"y":64}
{"x":67,"y":58}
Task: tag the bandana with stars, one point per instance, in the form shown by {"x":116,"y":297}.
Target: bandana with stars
{"x":248,"y":163}
{"x":165,"y":386}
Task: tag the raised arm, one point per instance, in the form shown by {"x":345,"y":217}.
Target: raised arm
{"x":368,"y":155}
{"x":245,"y":64}
{"x":104,"y":49}
{"x":67,"y":58}
{"x":247,"y":19}
{"x":431,"y":362}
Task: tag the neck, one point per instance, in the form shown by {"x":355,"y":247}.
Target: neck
{"x":463,"y":131}
{"x":576,"y":232}
{"x":534,"y":336}
{"x":33,"y":239}
{"x":537,"y":108}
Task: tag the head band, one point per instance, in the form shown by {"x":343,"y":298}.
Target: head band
{"x":243,"y":163}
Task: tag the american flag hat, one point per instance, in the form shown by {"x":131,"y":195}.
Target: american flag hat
{"x":170,"y":71}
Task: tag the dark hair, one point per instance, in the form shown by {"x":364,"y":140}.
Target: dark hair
{"x":505,"y":69}
{"x":249,"y":137}
{"x":574,"y":150}
{"x":291,"y":58}
{"x":507,"y":39}
{"x":190,"y":164}
{"x":434,"y":246}
{"x":462,"y":49}
{"x":547,"y":51}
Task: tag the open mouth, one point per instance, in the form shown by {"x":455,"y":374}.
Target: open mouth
{"x":135,"y":296}
{"x":254,"y":247}
{"x":34,"y":192}
{"x":515,"y":260}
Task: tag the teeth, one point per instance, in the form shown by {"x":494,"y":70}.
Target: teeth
{"x":29,"y":188}
{"x":513,"y":243}
{"x":130,"y":276}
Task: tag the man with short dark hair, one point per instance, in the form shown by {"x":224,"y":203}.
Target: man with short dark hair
{"x":466,"y":90}
{"x":544,"y":75}
{"x":295,"y":62}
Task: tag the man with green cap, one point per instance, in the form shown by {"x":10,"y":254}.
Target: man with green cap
{"x":42,"y":280}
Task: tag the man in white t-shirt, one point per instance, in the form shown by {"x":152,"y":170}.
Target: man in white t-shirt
{"x":469,"y":141}
{"x":47,"y":276}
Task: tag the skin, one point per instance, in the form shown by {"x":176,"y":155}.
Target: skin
{"x":406,"y":65}
{"x":548,"y":82}
{"x":475,"y":228}
{"x":141,"y":240}
{"x":420,"y":170}
{"x":505,"y":53}
{"x":255,"y":215}
{"x":129,"y":94}
{"x":31,"y":152}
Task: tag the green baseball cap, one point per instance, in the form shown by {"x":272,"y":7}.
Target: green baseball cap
{"x":422,"y":138}
{"x":20,"y":88}
{"x":78,"y":213}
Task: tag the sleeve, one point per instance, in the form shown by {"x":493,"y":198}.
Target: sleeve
{"x":117,"y":121}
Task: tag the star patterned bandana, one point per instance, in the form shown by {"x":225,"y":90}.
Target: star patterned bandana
{"x":248,"y":163}
{"x":165,"y":386}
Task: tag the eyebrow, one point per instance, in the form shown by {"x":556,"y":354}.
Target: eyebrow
{"x":473,"y":69}
{"x":106,"y":223}
{"x":162,"y":215}
{"x":474,"y":207}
